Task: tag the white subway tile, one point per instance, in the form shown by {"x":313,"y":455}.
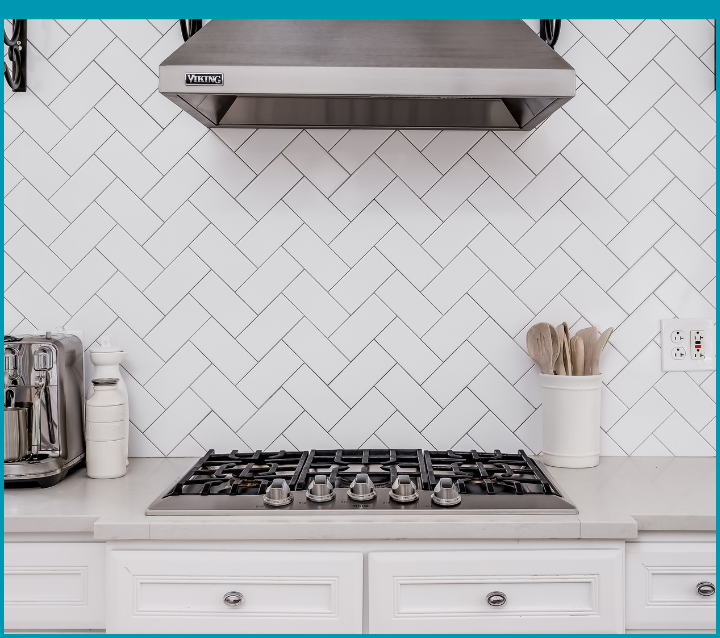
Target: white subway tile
{"x":316,"y":211}
{"x":269,"y":327}
{"x":321,"y":403}
{"x":221,"y":209}
{"x":176,"y":280}
{"x":176,"y":328}
{"x":408,"y":163}
{"x":268,"y":281}
{"x":455,"y":326}
{"x":129,"y":211}
{"x":403,"y":345}
{"x":316,"y":304}
{"x":501,"y":210}
{"x":218,"y":252}
{"x":316,"y":350}
{"x":276,"y":367}
{"x":230,"y":358}
{"x":409,"y":398}
{"x":362,"y":233}
{"x":501,"y":164}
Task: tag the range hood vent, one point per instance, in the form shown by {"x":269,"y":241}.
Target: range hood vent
{"x":416,"y":74}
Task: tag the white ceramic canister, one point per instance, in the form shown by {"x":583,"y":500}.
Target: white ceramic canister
{"x":571,"y":420}
{"x":105,"y":413}
{"x":106,"y":360}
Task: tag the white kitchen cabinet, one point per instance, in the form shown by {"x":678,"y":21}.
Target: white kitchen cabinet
{"x":541,"y":591}
{"x":54,"y":585}
{"x":276,"y":592}
{"x":662,"y":585}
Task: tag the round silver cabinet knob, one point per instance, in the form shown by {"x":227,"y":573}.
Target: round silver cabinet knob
{"x":278,"y":494}
{"x":446,"y":493}
{"x":496,"y":599}
{"x":320,"y":490}
{"x":706,"y":588}
{"x":403,"y":490}
{"x":233,"y":599}
{"x":362,"y":488}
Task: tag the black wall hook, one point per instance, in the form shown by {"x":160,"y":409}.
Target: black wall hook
{"x":189,"y":28}
{"x":16,"y":73}
{"x":550,"y":31}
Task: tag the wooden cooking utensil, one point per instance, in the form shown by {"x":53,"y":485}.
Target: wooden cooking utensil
{"x":577,"y":355}
{"x":555,"y":343}
{"x":589,"y":337}
{"x":566,"y":348}
{"x":539,"y":345}
{"x":599,"y":347}
{"x":561,"y":365}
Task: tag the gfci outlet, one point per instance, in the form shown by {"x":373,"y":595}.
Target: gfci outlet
{"x":687,"y":344}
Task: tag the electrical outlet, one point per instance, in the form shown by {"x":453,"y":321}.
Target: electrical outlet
{"x":687,"y":344}
{"x":697,"y":344}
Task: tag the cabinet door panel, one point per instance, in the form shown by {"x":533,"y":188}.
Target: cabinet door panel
{"x":281,"y":592}
{"x":662,"y":580}
{"x":540,"y":590}
{"x":54,"y":585}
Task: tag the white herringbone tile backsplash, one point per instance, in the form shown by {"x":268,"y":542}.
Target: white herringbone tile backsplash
{"x":296,"y":289}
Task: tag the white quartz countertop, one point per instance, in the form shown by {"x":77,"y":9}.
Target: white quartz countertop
{"x":615,"y":500}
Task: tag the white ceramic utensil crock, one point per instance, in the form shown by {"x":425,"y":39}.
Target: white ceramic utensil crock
{"x":571,"y":420}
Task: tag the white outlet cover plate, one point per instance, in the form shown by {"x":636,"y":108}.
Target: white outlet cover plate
{"x":668,"y":326}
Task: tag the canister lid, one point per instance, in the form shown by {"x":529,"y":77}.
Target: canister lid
{"x":104,"y":382}
{"x":106,"y":345}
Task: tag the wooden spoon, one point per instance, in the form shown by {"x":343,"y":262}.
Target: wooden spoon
{"x":589,"y":337}
{"x":555,"y":344}
{"x":562,"y":365}
{"x":559,"y":363}
{"x":599,"y":347}
{"x":566,"y":348}
{"x":577,"y":355}
{"x":539,"y":345}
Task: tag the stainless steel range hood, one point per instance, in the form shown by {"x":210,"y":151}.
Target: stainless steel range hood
{"x":422,"y":74}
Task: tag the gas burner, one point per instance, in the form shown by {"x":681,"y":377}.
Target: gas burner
{"x":489,"y":473}
{"x":240,"y":473}
{"x":382,"y":466}
{"x":380,"y":480}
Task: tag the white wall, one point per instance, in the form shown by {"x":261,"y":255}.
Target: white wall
{"x":280,"y":289}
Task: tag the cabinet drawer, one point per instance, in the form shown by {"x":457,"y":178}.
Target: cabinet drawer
{"x":54,"y":585}
{"x":543,"y":591}
{"x":280,"y":592}
{"x":662,"y":580}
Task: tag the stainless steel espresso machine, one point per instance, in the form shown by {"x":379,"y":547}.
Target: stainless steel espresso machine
{"x":43,"y":408}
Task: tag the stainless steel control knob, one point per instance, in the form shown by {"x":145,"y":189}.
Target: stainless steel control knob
{"x":320,"y":490}
{"x":278,"y":494}
{"x":705,"y":588}
{"x":362,"y":488}
{"x":446,"y":493}
{"x":403,"y":490}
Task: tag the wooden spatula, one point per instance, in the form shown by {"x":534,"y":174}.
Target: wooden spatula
{"x":599,"y":347}
{"x":561,"y":365}
{"x":566,"y":348}
{"x":555,"y":344}
{"x":577,"y":356}
{"x":589,"y":337}
{"x":540,"y":348}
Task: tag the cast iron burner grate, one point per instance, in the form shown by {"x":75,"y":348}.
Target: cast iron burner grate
{"x":383,"y":466}
{"x":240,"y":472}
{"x":488,"y":473}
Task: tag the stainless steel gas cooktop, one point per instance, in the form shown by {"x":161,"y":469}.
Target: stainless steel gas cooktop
{"x":390,"y":481}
